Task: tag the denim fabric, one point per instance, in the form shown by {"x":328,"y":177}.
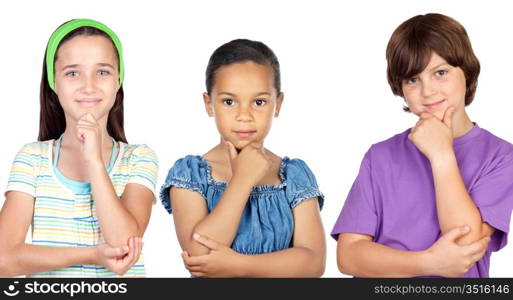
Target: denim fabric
{"x":267,"y":223}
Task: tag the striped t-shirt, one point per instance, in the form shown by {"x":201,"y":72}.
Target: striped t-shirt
{"x":63,"y":218}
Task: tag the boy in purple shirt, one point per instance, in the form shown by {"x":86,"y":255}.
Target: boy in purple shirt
{"x":435,"y":200}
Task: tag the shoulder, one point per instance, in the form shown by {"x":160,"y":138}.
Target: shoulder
{"x":301,"y":183}
{"x":391,"y":144}
{"x":189,"y":172}
{"x":297,"y":174}
{"x":138,"y":154}
{"x":188,"y":168}
{"x":35,"y":151}
{"x":392,"y":150}
{"x":495,"y":143}
{"x":36,"y":147}
{"x":137,"y":150}
{"x":295,"y":168}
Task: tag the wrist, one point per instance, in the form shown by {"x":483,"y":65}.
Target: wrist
{"x":95,"y":165}
{"x":241,"y":265}
{"x":91,"y":255}
{"x":426,"y":262}
{"x":242,"y":181}
{"x":443,"y":159}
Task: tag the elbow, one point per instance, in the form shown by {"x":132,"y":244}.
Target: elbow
{"x":6,"y":265}
{"x":343,"y":261}
{"x":317,"y":263}
{"x":318,"y":271}
{"x":317,"y":267}
{"x":119,"y":239}
{"x":194,"y":248}
{"x":476,"y":233}
{"x":342,"y":265}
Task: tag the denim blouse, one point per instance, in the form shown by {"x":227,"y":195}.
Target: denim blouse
{"x":267,"y":223}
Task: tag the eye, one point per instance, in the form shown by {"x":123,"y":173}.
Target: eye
{"x":412,"y":80}
{"x":228,"y":102}
{"x":441,"y":73}
{"x":72,"y":74}
{"x":103,"y":73}
{"x":260,"y":102}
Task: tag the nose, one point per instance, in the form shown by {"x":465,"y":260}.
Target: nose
{"x":429,"y":88}
{"x":244,"y":114}
{"x":88,"y":84}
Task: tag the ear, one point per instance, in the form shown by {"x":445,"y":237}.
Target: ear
{"x":279,"y":101}
{"x":208,"y":104}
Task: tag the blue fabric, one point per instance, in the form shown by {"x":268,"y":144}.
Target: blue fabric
{"x":267,"y":223}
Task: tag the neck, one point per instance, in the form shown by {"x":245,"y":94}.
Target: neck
{"x":461,"y":124}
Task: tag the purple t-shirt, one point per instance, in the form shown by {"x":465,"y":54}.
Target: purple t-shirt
{"x":393,"y":197}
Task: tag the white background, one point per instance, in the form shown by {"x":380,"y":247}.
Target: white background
{"x":332,"y":55}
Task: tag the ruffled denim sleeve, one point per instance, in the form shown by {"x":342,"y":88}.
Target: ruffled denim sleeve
{"x":300,"y":183}
{"x":188,"y":173}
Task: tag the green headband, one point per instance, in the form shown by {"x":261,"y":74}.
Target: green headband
{"x":66,"y":28}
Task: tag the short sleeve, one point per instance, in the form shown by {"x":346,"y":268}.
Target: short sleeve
{"x":23,"y":171}
{"x":187,"y":173}
{"x":144,"y":168}
{"x":493,"y":195}
{"x":300,"y":183}
{"x":359,"y":214}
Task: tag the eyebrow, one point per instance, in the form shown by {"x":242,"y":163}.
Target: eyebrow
{"x":72,"y":66}
{"x":105,"y":65}
{"x":233,"y":95}
{"x":438,"y":66}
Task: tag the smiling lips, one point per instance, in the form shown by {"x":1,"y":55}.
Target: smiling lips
{"x":88,"y":102}
{"x":244,"y":133}
{"x":434,"y":104}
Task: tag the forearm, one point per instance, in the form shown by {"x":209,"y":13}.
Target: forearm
{"x":455,"y":207}
{"x":222,"y":222}
{"x":116,"y":223}
{"x":29,"y":259}
{"x":291,"y":262}
{"x":369,"y":259}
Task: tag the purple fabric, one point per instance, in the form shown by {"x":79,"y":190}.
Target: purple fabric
{"x":393,"y":197}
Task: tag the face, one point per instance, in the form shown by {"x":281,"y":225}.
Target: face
{"x":436,"y":88}
{"x":86,"y":76}
{"x":243,"y":101}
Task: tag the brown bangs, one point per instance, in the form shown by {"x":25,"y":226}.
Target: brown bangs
{"x":412,"y":43}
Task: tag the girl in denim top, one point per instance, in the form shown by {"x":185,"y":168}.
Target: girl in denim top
{"x":240,"y":210}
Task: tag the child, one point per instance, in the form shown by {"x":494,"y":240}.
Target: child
{"x":435,"y":200}
{"x":85,"y":191}
{"x":240,"y":210}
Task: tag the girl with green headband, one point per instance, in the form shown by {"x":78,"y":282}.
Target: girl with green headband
{"x":86,"y":192}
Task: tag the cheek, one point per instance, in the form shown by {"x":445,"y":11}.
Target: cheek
{"x":110,"y":88}
{"x":264,"y":121}
{"x":222,"y":120}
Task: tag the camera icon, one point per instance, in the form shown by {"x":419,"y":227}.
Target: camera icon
{"x":11,"y":290}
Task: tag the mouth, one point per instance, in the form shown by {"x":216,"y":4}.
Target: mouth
{"x":88,"y":102}
{"x":244,"y":133}
{"x":433,"y":105}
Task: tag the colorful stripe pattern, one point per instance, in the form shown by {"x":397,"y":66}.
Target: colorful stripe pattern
{"x":64,"y":219}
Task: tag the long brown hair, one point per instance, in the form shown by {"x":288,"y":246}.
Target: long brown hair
{"x":52,"y":122}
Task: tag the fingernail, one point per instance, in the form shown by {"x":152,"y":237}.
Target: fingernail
{"x":125,"y":248}
{"x":196,"y":236}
